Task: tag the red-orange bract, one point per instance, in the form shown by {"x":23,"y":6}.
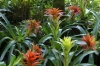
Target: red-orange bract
{"x":74,"y":9}
{"x":33,"y":57}
{"x":33,"y":26}
{"x":90,"y":42}
{"x":54,"y":12}
{"x":37,"y":49}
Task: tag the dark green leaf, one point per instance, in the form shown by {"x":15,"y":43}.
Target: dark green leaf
{"x":79,"y":58}
{"x":2,"y":64}
{"x":84,"y":64}
{"x":12,"y":60}
{"x":46,"y":37}
{"x":6,"y":49}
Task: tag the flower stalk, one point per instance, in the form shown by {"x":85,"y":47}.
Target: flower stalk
{"x":66,"y":46}
{"x":54,"y":15}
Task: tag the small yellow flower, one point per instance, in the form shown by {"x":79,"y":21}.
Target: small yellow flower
{"x":67,"y":43}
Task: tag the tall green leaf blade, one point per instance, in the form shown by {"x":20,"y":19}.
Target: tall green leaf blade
{"x":96,"y":25}
{"x":85,"y":64}
{"x":4,"y":25}
{"x":8,"y":29}
{"x":80,"y":29}
{"x":46,"y":37}
{"x":53,"y":61}
{"x":91,"y":59}
{"x":17,"y":60}
{"x":5,"y":19}
{"x":3,"y":39}
{"x":65,"y":31}
{"x":70,"y":57}
{"x":59,"y":32}
{"x":55,"y":52}
{"x":6,"y":49}
{"x":11,"y":52}
{"x":20,"y":35}
{"x":8,"y":26}
{"x":2,"y":64}
{"x":80,"y":57}
{"x":12,"y":60}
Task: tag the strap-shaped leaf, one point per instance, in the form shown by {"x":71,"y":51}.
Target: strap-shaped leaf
{"x":46,"y":37}
{"x":80,"y":57}
{"x":54,"y":61}
{"x":12,"y":60}
{"x":7,"y":25}
{"x":80,"y":29}
{"x":3,"y":39}
{"x":2,"y":63}
{"x":65,"y":31}
{"x":85,"y":64}
{"x":6,"y":49}
{"x":70,"y":57}
{"x":17,"y":60}
{"x":96,"y":25}
{"x":11,"y":52}
{"x":57,"y":57}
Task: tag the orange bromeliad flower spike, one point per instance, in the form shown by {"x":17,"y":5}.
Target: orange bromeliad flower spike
{"x":37,"y":49}
{"x":31,"y":58}
{"x":74,"y":9}
{"x":33,"y":26}
{"x":90,"y":42}
{"x":55,"y":12}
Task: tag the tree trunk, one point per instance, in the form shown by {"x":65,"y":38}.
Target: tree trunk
{"x":59,"y":4}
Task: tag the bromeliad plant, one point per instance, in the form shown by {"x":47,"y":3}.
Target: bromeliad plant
{"x":33,"y":56}
{"x":17,"y":38}
{"x":71,"y":57}
{"x":54,"y":15}
{"x":32,"y":28}
{"x":53,"y":29}
{"x":67,"y":44}
{"x":90,"y":42}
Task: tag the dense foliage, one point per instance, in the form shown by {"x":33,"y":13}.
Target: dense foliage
{"x":39,"y":33}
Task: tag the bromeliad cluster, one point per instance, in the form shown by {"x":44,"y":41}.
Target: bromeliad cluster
{"x":33,"y":57}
